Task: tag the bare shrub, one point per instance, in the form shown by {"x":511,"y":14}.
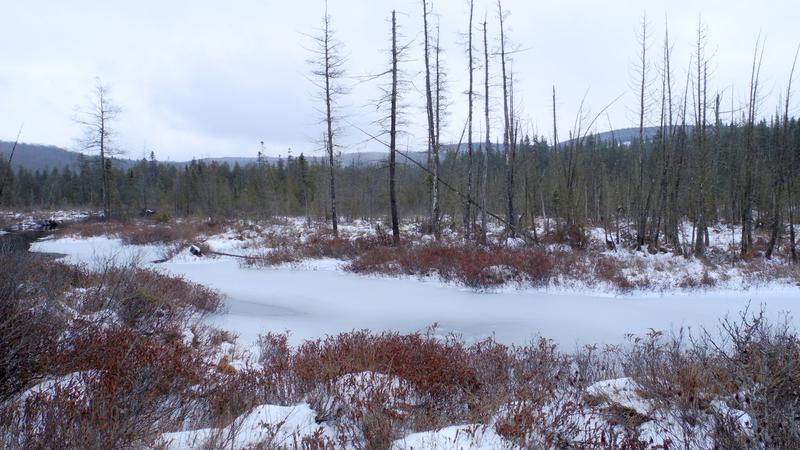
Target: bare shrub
{"x":143,"y":232}
{"x":146,"y":299}
{"x":760,"y":366}
{"x":32,"y":316}
{"x":474,"y":267}
{"x":128,"y":389}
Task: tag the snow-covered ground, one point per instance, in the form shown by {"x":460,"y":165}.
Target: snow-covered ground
{"x":17,"y":221}
{"x":317,"y":298}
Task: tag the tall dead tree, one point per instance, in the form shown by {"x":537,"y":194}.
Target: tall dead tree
{"x":470,"y":69}
{"x":433,"y":145}
{"x":788,"y":142}
{"x":393,"y":137}
{"x":701,"y":156}
{"x":97,"y":120}
{"x":665,"y":216}
{"x":488,"y":144}
{"x":781,"y":175}
{"x":511,"y":158}
{"x":327,"y":74}
{"x":644,"y":199}
{"x":750,"y":150}
{"x":507,"y":128}
{"x":440,"y":104}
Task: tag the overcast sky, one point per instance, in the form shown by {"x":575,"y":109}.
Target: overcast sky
{"x":210,"y":78}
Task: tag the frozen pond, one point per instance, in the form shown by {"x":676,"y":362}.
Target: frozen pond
{"x":318,"y":299}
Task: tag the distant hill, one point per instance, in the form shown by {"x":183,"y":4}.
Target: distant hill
{"x":39,"y":157}
{"x":626,"y":135}
{"x":47,"y":157}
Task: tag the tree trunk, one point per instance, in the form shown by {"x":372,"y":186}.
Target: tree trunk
{"x":507,"y":130}
{"x":467,"y":204}
{"x":434,"y":219}
{"x":329,"y":123}
{"x":393,"y":138}
{"x":488,"y":143}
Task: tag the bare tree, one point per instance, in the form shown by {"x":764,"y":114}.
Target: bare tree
{"x":97,"y":119}
{"x":666,"y":133}
{"x":700,"y":92}
{"x":507,"y":126}
{"x":328,"y":71}
{"x":781,"y":173}
{"x":439,"y":107}
{"x":643,"y":202}
{"x":750,"y":150}
{"x":470,"y":69}
{"x":393,"y":136}
{"x":787,"y":137}
{"x":488,"y":144}
{"x":433,"y":144}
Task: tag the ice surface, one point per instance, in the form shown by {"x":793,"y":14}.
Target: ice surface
{"x":317,"y":298}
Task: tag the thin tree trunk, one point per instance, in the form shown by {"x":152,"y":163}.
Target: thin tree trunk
{"x":467,"y":211}
{"x":644,"y":204}
{"x":792,"y":241}
{"x":488,"y":144}
{"x":393,"y":139}
{"x":436,"y":228}
{"x":329,"y":124}
{"x":434,"y":219}
{"x":507,"y":127}
{"x":747,"y":221}
{"x":104,"y":169}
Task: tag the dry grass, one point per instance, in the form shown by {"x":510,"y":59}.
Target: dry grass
{"x":142,"y":232}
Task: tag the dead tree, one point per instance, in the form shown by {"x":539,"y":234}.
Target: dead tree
{"x":700,"y":160}
{"x":644,"y":199}
{"x":440,"y":103}
{"x":666,"y":142}
{"x":507,"y":127}
{"x":511,"y":158}
{"x":327,"y":74}
{"x":750,"y":150}
{"x":393,"y":137}
{"x":788,"y":142}
{"x":488,"y":144}
{"x":784,"y":149}
{"x":97,"y":119}
{"x":433,"y":145}
{"x":470,"y":69}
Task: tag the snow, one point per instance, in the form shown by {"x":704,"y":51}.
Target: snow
{"x":621,"y":391}
{"x":96,"y":252}
{"x":51,"y":387}
{"x":663,"y":426}
{"x":463,"y":437}
{"x":30,"y":221}
{"x":317,"y":298}
{"x":268,"y":425}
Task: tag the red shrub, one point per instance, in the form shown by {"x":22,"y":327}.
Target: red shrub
{"x":438,"y":368}
{"x":475,"y":267}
